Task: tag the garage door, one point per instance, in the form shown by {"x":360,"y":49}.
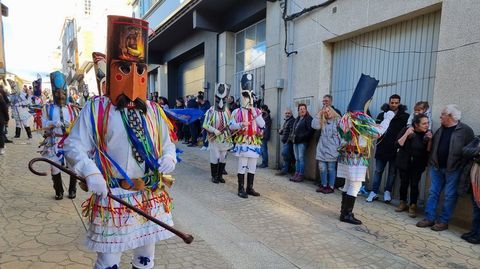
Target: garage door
{"x":191,"y":75}
{"x":401,"y":65}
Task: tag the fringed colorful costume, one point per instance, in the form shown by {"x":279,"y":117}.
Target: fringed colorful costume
{"x":219,"y":135}
{"x":121,"y":143}
{"x":37,"y":103}
{"x":57,"y":119}
{"x":20,"y":109}
{"x":358,"y":131}
{"x":247,"y":124}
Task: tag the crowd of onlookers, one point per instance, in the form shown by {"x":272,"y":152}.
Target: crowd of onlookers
{"x":408,"y":148}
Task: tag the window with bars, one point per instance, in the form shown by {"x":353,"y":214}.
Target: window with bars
{"x":88,"y":7}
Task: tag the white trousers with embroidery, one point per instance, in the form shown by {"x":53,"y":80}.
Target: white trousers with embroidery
{"x":247,"y":164}
{"x":352,"y":187}
{"x":142,"y":258}
{"x":217,"y":154}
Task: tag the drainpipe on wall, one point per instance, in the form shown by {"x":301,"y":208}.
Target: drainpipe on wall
{"x":290,"y":33}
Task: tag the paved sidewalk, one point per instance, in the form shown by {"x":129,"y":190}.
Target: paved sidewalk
{"x":289,"y":226}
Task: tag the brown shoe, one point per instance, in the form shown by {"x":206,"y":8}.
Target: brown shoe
{"x":425,"y":223}
{"x":412,"y":211}
{"x":281,"y":173}
{"x":440,"y":227}
{"x":401,"y":207}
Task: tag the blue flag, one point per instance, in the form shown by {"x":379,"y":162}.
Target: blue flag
{"x":186,"y":115}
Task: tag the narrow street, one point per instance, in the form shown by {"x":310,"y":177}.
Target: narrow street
{"x":288,"y":226}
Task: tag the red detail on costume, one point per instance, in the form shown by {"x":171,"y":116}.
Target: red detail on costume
{"x":142,"y":80}
{"x":250,"y":127}
{"x":118,"y":77}
{"x":37,"y":119}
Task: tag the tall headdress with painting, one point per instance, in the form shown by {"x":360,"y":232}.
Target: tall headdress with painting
{"x":246,"y":84}
{"x":126,"y":58}
{"x":100,"y":66}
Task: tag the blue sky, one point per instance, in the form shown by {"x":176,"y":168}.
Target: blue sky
{"x":31,"y":34}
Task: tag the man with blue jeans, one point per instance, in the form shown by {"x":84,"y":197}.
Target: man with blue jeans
{"x":386,"y":151}
{"x":446,"y":165}
{"x":287,"y":147}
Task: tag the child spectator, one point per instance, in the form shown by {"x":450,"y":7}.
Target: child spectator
{"x":421,"y":107}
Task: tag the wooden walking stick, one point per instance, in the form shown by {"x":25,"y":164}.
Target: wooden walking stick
{"x":187,"y":238}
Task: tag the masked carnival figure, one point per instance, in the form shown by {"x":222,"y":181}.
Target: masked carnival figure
{"x":121,"y":144}
{"x":358,"y":132}
{"x":247,"y":124}
{"x":56,"y":121}
{"x":220,"y":140}
{"x":37,"y":103}
{"x":100,"y":66}
{"x":20,"y":109}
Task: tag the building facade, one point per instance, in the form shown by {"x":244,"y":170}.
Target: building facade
{"x":300,"y":50}
{"x":86,"y":32}
{"x":196,"y":43}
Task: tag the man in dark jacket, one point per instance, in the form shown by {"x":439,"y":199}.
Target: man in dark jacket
{"x":386,"y":151}
{"x":446,"y":166}
{"x":287,"y":147}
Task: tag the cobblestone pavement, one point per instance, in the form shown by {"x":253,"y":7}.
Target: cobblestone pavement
{"x":289,"y":226}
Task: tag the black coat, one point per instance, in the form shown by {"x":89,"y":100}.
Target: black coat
{"x":413,"y":154}
{"x":386,"y":143}
{"x":4,"y":117}
{"x":287,"y":129}
{"x":302,"y":130}
{"x":267,"y":130}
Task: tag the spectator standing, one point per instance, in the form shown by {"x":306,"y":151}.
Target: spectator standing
{"x":300,"y":135}
{"x":267,"y":130}
{"x":446,"y":165}
{"x":287,"y":147}
{"x":5,"y":98}
{"x":204,"y":106}
{"x":231,"y":103}
{"x":411,"y":160}
{"x":386,"y":151}
{"x":163,"y":101}
{"x":326,"y":121}
{"x":194,"y":126}
{"x":327,"y":101}
{"x":180,"y":104}
{"x":4,"y":118}
{"x":472,"y":153}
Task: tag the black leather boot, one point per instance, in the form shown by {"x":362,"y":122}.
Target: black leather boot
{"x":18,"y":131}
{"x":241,"y":183}
{"x":346,"y":215}
{"x":221,"y":168}
{"x":214,"y":171}
{"x":250,"y":189}
{"x":72,"y":188}
{"x":58,"y":186}
{"x":342,"y":209}
{"x":29,"y":132}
